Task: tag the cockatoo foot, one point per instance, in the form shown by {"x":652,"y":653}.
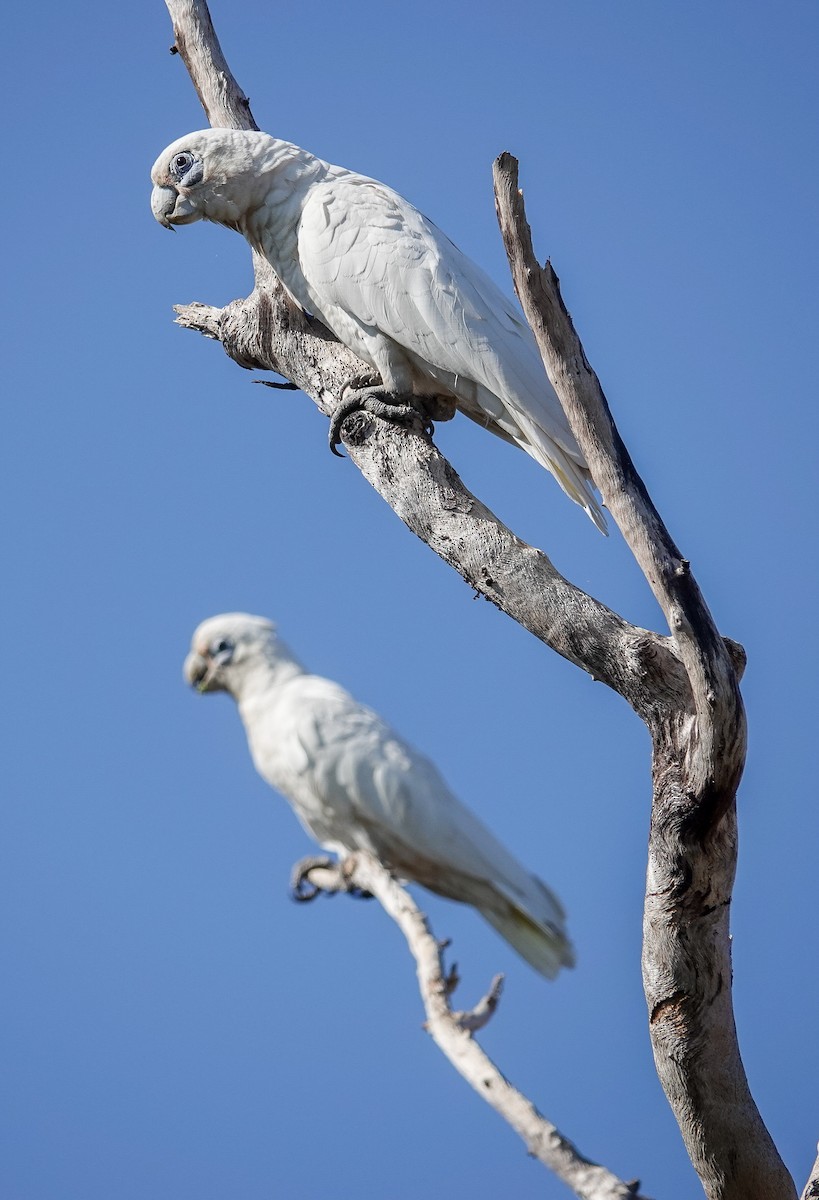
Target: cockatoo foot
{"x":379,"y":403}
{"x":302,"y":887}
{"x":317,"y":873}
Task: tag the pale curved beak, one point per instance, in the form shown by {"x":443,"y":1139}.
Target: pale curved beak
{"x":163,"y":202}
{"x":202,"y":670}
{"x":196,"y":667}
{"x":169,"y":208}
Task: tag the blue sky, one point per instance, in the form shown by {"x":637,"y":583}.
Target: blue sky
{"x":174,"y":1026}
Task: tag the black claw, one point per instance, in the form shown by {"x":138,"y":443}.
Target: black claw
{"x":287,"y":386}
{"x":302,"y":889}
{"x":359,"y":399}
{"x":378,"y":403}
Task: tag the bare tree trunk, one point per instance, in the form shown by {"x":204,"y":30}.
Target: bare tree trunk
{"x":684,"y":686}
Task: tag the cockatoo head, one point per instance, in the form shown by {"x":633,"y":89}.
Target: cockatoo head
{"x":223,"y":648}
{"x":236,"y":652}
{"x":211,"y":175}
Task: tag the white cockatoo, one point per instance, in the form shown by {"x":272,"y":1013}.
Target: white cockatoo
{"x":355,"y":785}
{"x":384,"y":279}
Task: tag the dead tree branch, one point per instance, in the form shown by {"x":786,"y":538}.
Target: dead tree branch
{"x":453,"y":1034}
{"x":683,"y":685}
{"x":718,"y":705}
{"x":481,"y":1013}
{"x":423,"y":488}
{"x":698,"y":756}
{"x":225,"y":104}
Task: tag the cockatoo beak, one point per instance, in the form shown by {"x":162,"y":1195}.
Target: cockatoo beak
{"x":170,"y":208}
{"x":196,"y":668}
{"x":200,"y":669}
{"x":163,"y":202}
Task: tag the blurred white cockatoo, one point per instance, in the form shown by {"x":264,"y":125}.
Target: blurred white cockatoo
{"x":384,"y":279}
{"x":355,"y":785}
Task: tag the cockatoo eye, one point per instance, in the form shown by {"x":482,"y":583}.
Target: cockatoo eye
{"x":180,"y":163}
{"x":221,"y":650}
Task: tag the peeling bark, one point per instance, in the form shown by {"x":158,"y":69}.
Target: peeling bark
{"x":684,"y":685}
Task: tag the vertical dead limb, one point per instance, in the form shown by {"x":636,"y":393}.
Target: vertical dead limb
{"x":717,"y":765}
{"x":698,"y":756}
{"x":225,"y":104}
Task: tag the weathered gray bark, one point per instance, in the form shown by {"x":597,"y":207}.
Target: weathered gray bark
{"x":684,"y":686}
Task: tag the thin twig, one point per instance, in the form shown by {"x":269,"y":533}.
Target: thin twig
{"x":481,"y":1014}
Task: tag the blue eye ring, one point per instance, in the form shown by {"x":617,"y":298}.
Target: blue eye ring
{"x":181,"y":163}
{"x":221,"y":651}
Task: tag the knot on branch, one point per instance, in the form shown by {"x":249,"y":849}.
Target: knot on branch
{"x":737,"y":655}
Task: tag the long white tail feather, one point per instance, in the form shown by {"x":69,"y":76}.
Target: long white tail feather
{"x":544,"y":947}
{"x":573,"y":479}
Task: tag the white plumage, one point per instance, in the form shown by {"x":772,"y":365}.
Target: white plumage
{"x":355,"y":785}
{"x":383,"y":278}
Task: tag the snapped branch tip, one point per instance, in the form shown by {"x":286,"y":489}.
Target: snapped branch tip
{"x":475,"y":1018}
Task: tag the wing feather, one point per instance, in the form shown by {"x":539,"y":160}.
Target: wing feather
{"x":366,"y":250}
{"x":371,"y":258}
{"x":360,"y":786}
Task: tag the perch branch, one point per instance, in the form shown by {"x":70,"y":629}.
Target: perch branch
{"x":422,"y":487}
{"x":453,"y":1034}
